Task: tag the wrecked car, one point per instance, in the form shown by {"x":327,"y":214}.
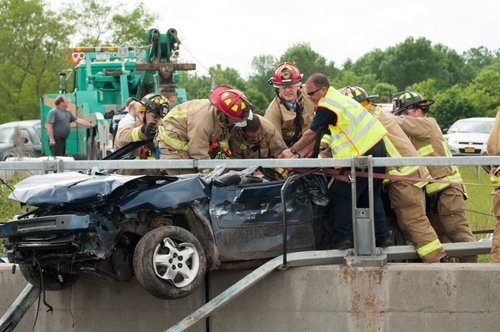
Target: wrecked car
{"x":167,"y":231}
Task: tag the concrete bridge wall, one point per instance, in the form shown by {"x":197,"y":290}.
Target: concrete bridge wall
{"x":397,"y":297}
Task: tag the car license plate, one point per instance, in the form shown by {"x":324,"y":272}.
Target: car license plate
{"x":470,"y":150}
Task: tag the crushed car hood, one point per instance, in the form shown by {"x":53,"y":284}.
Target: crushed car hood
{"x":60,"y":188}
{"x":169,"y":195}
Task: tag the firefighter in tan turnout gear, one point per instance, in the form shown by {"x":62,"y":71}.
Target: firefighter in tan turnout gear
{"x":290,"y":112}
{"x":257,"y":140}
{"x":407,"y":197}
{"x":150,"y":109}
{"x":200,"y":128}
{"x":493,"y":148}
{"x":445,"y":200}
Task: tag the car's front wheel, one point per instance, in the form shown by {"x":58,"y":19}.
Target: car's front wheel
{"x":169,"y":262}
{"x":52,"y":279}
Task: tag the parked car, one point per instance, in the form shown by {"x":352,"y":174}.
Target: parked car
{"x":468,"y":137}
{"x":166,"y":230}
{"x":20,"y":139}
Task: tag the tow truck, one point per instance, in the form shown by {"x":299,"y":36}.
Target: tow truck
{"x":104,"y":78}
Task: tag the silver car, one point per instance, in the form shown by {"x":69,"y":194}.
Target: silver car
{"x":467,"y":137}
{"x":20,"y":139}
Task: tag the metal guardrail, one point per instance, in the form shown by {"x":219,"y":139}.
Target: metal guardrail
{"x":50,"y":164}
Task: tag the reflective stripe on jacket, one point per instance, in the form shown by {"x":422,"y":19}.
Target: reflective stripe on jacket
{"x":192,"y":127}
{"x":429,"y":248}
{"x":434,"y":187}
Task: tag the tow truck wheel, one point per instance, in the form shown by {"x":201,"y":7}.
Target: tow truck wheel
{"x":169,"y":262}
{"x":52,"y":279}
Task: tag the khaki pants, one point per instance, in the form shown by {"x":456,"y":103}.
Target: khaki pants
{"x":450,"y":218}
{"x":495,"y":246}
{"x":408,"y":203}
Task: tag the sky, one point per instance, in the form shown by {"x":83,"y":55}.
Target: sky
{"x":232,"y":33}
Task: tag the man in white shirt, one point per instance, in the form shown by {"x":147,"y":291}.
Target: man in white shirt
{"x":129,"y":118}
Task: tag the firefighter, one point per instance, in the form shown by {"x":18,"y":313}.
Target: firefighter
{"x":347,"y":123}
{"x":407,"y":197}
{"x":493,"y":148}
{"x":445,"y":200}
{"x":290,"y":112}
{"x":149,"y":111}
{"x":200,"y":128}
{"x":257,"y":140}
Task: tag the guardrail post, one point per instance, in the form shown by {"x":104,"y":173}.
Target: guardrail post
{"x":365,"y":252}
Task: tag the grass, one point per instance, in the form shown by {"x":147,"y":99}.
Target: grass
{"x":478,"y":205}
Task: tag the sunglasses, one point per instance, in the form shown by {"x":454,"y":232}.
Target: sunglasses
{"x":313,"y":92}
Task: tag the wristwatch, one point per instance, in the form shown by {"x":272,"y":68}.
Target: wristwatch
{"x":292,"y":150}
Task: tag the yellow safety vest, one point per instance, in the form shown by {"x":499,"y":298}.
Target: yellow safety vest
{"x":356,"y":130}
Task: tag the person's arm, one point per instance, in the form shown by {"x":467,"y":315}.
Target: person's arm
{"x":84,"y":123}
{"x":306,"y":142}
{"x":50,"y":131}
{"x":301,"y":147}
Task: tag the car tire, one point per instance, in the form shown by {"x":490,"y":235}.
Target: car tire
{"x":52,"y":279}
{"x":169,"y":262}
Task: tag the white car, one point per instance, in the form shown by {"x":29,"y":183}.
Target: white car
{"x":467,"y":137}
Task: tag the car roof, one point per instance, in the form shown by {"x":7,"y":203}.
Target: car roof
{"x":23,"y":123}
{"x":476,"y":119}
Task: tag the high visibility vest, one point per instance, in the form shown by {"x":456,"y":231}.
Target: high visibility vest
{"x":356,"y":130}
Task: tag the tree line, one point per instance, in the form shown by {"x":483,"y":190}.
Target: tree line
{"x":36,"y":43}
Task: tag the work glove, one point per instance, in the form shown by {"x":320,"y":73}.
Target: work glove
{"x":149,"y":130}
{"x":52,"y":143}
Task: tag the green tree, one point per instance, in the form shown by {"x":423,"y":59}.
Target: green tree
{"x":101,"y":23}
{"x":478,"y":58}
{"x":33,"y":51}
{"x":309,"y":61}
{"x":197,"y":87}
{"x":413,"y":61}
{"x":384,"y":92}
{"x":484,"y":92}
{"x":428,"y":88}
{"x":451,"y":105}
{"x":263,"y":69}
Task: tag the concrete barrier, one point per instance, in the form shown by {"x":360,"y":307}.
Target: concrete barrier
{"x":396,"y":297}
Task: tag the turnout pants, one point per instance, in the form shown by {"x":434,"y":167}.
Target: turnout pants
{"x":450,"y":214}
{"x":495,"y":246}
{"x":408,"y":203}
